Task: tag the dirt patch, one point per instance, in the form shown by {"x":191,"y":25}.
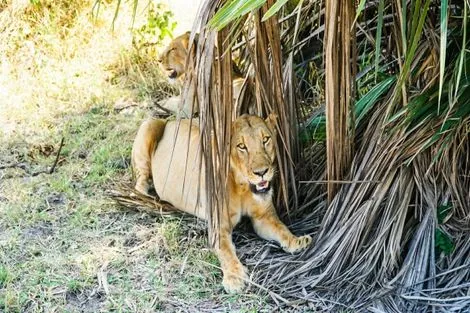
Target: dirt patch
{"x":42,"y":230}
{"x":55,"y":199}
{"x":131,"y":241}
{"x":88,"y":301}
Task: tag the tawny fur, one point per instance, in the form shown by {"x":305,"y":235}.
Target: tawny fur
{"x":160,"y":151}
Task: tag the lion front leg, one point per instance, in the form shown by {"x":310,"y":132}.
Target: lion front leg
{"x":235,"y":274}
{"x":268,"y":226}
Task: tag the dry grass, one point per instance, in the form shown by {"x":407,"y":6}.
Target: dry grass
{"x":64,"y":245}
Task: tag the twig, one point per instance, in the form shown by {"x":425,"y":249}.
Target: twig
{"x":117,"y":110}
{"x":57,"y":157}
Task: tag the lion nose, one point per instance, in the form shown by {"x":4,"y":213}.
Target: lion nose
{"x":173,"y":74}
{"x":260,"y":172}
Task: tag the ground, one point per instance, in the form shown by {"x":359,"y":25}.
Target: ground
{"x":64,"y":245}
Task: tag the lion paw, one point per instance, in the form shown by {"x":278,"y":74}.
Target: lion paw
{"x":142,"y":185}
{"x":298,"y":244}
{"x":234,"y":281}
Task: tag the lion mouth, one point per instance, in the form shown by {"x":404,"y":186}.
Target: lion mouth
{"x":262,"y":187}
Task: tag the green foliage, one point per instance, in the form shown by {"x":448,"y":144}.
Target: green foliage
{"x":371,"y":98}
{"x":232,"y":11}
{"x":443,"y":212}
{"x":274,"y":9}
{"x":360,"y":8}
{"x":316,"y":128}
{"x":235,"y":9}
{"x":160,"y":25}
{"x":443,"y":46}
{"x":443,"y":242}
{"x":380,"y":19}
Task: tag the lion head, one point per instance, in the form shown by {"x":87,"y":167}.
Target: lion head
{"x":252,"y":155}
{"x":172,"y":59}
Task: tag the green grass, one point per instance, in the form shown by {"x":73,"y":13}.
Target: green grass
{"x":64,"y":246}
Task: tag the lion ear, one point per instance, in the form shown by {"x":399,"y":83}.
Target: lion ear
{"x":185,"y":40}
{"x":271,"y":121}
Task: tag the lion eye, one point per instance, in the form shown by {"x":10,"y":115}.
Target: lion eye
{"x":266,"y":139}
{"x":241,"y":146}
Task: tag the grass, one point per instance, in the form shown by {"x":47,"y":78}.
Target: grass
{"x":64,"y":246}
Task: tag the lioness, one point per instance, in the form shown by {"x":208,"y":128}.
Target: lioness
{"x":172,"y":59}
{"x":160,"y":151}
{"x":172,"y":62}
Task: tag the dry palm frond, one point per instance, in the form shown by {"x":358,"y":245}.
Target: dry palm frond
{"x":376,"y":245}
{"x":273,"y":98}
{"x":128,"y":197}
{"x":340,"y":63}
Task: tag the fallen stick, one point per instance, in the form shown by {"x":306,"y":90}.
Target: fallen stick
{"x":57,"y":157}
